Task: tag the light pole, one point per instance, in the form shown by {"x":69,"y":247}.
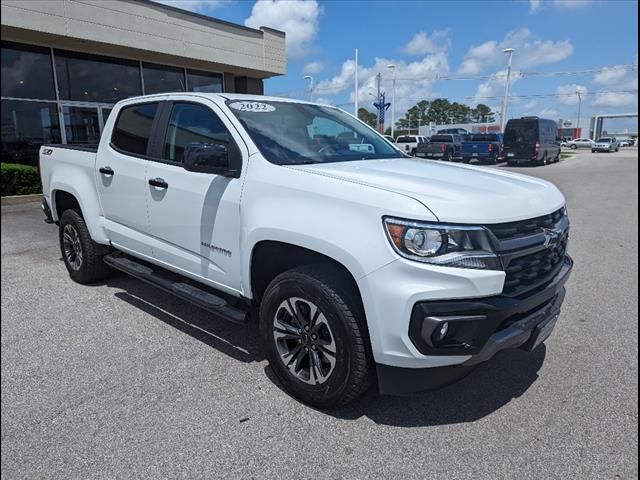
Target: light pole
{"x":503,"y":117}
{"x":579,"y":111}
{"x":393,"y":99}
{"x":310,"y":78}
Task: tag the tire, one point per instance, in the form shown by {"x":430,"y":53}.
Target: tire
{"x":466,"y":160}
{"x":81,"y":255}
{"x":493,"y":159}
{"x":557,"y":159}
{"x":593,"y":151}
{"x":574,"y":147}
{"x":617,"y":149}
{"x":446,"y":157}
{"x":340,"y":326}
{"x":413,"y":152}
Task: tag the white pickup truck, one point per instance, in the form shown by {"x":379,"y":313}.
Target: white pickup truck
{"x":364,"y":265}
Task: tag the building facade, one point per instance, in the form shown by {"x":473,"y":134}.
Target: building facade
{"x":65,"y":63}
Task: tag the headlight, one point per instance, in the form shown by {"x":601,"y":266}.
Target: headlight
{"x":442,"y":244}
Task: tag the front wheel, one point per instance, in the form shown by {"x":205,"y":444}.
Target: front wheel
{"x":574,"y":147}
{"x":82,"y":256}
{"x":313,"y":330}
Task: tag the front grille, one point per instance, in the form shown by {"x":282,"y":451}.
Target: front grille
{"x":524,"y":273}
{"x":526,"y":227}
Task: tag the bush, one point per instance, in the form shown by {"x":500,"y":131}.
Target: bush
{"x":19,"y":179}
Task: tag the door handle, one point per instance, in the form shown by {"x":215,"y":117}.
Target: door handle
{"x":158,"y":182}
{"x":106,"y":171}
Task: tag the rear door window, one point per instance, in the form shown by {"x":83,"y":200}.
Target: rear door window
{"x":521,"y":132}
{"x":133,"y":128}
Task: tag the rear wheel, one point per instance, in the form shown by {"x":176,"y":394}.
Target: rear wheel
{"x":446,"y":156}
{"x":413,"y":152}
{"x":82,"y":256}
{"x":574,"y":146}
{"x":313,"y":330}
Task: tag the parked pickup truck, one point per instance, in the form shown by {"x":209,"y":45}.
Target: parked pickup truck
{"x":360,"y":263}
{"x":409,"y":143}
{"x":484,"y":147}
{"x":445,"y":147}
{"x":605,"y":144}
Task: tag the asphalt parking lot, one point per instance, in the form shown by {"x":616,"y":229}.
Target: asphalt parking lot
{"x":119,"y":380}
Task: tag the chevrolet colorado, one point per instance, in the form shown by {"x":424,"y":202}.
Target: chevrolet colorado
{"x":362,"y":264}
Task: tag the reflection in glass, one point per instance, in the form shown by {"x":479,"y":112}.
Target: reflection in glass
{"x":81,"y":125}
{"x":93,"y":78}
{"x":27,"y":72}
{"x":204,"y":81}
{"x":191,"y":123}
{"x":105,"y":115}
{"x":25,"y":127}
{"x":160,"y":78}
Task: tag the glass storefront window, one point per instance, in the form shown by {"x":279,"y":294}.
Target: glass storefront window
{"x":27,"y":72}
{"x":25,"y":127}
{"x":204,"y":81}
{"x":160,"y":78}
{"x":92,"y":78}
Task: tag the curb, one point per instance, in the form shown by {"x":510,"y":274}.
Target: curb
{"x":21,"y":199}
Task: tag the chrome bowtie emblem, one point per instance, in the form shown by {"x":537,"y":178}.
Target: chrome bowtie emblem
{"x":551,"y":237}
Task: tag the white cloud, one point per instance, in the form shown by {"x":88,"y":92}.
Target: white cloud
{"x":423,"y":44}
{"x":534,"y":6}
{"x":528,"y":52}
{"x":414,"y":80}
{"x":567,"y":94}
{"x":531,"y":104}
{"x":298,"y":19}
{"x":549,"y":113}
{"x":313,"y":68}
{"x":495,"y":86}
{"x":610,"y":75}
{"x":625,"y":100}
{"x":199,"y":6}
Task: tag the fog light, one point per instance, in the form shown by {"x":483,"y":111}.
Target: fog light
{"x":440,"y":333}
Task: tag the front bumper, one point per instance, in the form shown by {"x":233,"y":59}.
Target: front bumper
{"x":502,"y":323}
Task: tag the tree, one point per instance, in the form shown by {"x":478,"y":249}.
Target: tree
{"x":368,"y":117}
{"x":482,"y":114}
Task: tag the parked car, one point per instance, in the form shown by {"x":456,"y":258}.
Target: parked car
{"x":580,"y":143}
{"x":409,"y":143}
{"x":357,"y":267}
{"x":605,"y":144}
{"x":531,"y":140}
{"x":625,"y":142}
{"x":484,"y":147}
{"x":390,"y":138}
{"x":445,"y":147}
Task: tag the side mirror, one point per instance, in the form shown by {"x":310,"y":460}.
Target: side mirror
{"x":214,"y":158}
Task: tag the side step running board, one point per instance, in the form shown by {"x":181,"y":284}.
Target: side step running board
{"x":206,"y":300}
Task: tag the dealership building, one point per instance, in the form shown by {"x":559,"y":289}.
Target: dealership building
{"x":65,"y":63}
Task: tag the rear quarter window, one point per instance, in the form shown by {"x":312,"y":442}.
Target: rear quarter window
{"x":132,"y":129}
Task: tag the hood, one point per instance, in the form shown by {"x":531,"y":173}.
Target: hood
{"x":452,"y":192}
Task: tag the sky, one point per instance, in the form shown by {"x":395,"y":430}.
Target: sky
{"x":454,"y":50}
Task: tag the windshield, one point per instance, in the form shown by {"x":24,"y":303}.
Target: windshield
{"x":604,"y":140}
{"x":289,"y":133}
